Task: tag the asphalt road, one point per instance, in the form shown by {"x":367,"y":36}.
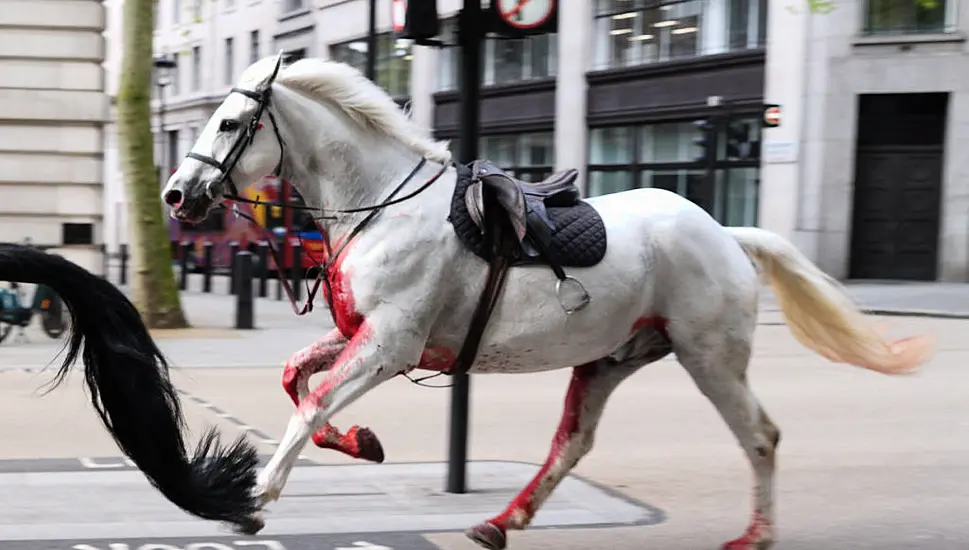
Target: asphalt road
{"x":866,"y":462}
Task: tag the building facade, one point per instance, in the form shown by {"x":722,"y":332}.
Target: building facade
{"x":865,"y":172}
{"x":856,"y":174}
{"x":211,"y":43}
{"x":52,"y":111}
{"x":616,"y":100}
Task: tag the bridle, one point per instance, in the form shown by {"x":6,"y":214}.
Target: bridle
{"x":262,"y":97}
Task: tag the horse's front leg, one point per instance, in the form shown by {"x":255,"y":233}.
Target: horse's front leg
{"x":374,"y":355}
{"x":358,"y":442}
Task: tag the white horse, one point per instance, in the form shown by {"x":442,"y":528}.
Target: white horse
{"x":403,"y":288}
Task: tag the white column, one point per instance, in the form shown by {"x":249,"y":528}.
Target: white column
{"x":574,"y":59}
{"x":782,"y":147}
{"x":423,"y":83}
{"x":714,"y":27}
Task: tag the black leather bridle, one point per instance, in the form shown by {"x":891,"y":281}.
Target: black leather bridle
{"x":261,"y":97}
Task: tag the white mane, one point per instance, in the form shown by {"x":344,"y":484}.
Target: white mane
{"x":360,"y":99}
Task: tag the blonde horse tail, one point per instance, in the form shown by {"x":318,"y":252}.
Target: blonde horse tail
{"x":821,"y":315}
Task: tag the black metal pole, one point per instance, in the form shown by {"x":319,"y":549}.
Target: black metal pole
{"x":372,"y":42}
{"x":244,"y":299}
{"x":470,"y":35}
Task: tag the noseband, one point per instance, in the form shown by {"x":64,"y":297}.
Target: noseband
{"x":261,"y":98}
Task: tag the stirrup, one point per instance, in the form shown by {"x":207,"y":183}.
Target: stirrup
{"x":583,"y":299}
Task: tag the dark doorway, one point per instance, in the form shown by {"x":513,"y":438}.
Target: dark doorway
{"x":898,"y":186}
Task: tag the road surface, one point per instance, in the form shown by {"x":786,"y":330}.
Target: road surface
{"x":866,"y":461}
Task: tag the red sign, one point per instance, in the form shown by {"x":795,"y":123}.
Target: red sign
{"x":398,"y":14}
{"x":772,"y":116}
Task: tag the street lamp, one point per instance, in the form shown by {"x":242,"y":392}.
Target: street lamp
{"x":164,"y":66}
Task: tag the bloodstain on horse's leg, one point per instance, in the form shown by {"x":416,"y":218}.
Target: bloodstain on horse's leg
{"x":358,"y":442}
{"x":758,"y":536}
{"x":584,"y":403}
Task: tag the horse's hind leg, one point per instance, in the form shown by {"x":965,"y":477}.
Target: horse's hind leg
{"x":717,"y":361}
{"x":591,"y":386}
{"x":319,"y":356}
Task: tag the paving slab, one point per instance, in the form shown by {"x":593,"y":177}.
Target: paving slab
{"x":101,"y":504}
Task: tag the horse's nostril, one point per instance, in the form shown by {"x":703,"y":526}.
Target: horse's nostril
{"x":173,"y":197}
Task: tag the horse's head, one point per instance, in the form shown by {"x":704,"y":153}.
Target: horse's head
{"x":239,"y":145}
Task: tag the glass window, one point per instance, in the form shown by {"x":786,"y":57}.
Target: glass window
{"x":667,"y":142}
{"x":528,"y":156}
{"x":664,"y":156}
{"x":740,"y":196}
{"x":229,"y":68}
{"x":393,"y":61}
{"x":610,"y":145}
{"x":505,"y":60}
{"x":636,"y":32}
{"x":605,"y":182}
{"x":253,"y":46}
{"x":196,"y":68}
{"x":906,"y":16}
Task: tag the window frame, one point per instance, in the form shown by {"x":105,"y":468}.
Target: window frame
{"x":386,"y":45}
{"x":536,"y":172}
{"x":710,"y":25}
{"x":449,"y":62}
{"x":949,"y":22}
{"x":723,"y":166}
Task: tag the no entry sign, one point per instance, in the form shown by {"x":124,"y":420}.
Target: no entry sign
{"x":772,"y":116}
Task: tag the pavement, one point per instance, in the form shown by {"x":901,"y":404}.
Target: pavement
{"x":866,"y":461}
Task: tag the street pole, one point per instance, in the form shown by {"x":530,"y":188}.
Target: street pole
{"x":470,"y":36}
{"x":372,"y":43}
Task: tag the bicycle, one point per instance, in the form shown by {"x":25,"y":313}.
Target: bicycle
{"x":45,"y":302}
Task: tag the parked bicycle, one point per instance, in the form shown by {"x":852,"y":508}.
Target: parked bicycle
{"x":15,"y":314}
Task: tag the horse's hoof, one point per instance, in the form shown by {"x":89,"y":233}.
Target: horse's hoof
{"x":748,"y":543}
{"x":252,"y":525}
{"x":368,"y":446}
{"x":488,"y":535}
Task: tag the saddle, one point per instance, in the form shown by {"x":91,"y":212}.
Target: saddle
{"x":509,"y":222}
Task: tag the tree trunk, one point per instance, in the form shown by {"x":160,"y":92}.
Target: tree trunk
{"x":153,"y":286}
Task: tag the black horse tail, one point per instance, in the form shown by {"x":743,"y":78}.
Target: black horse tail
{"x":127,"y":376}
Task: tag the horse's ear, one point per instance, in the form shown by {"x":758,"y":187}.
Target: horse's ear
{"x":272,"y":77}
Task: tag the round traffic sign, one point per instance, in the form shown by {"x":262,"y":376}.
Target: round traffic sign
{"x":772,"y":115}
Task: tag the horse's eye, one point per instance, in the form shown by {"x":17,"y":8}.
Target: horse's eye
{"x":228,"y":125}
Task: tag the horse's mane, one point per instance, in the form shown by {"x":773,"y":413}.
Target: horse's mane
{"x":346,"y":88}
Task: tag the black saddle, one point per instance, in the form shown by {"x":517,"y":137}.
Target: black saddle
{"x":550,"y":221}
{"x":509,"y":222}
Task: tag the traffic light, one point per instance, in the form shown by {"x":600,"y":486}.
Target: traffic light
{"x":704,"y":141}
{"x":420,"y":20}
{"x":738,"y":141}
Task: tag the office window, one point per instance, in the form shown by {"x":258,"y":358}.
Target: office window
{"x":665,"y":156}
{"x":176,"y":82}
{"x":505,"y":60}
{"x":228,"y":69}
{"x":196,"y":68}
{"x":293,"y":5}
{"x":638,"y":32}
{"x":229,"y":4}
{"x":893,"y":17}
{"x":176,"y":12}
{"x":197,"y":11}
{"x":528,"y":156}
{"x":393,"y":62}
{"x":253,"y":46}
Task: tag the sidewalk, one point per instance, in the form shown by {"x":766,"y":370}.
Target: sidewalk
{"x":212,"y":342}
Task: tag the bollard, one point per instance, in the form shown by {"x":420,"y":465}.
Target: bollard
{"x":242,"y":265}
{"x":297,"y":271}
{"x":233,"y":252}
{"x":263,"y":255}
{"x":183,"y":264}
{"x":123,"y":253}
{"x":207,"y":268}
